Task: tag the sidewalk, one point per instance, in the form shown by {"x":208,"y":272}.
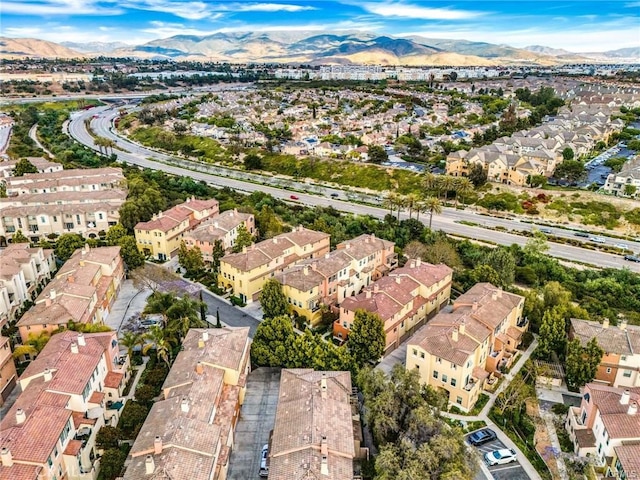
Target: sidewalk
{"x":139,"y":369}
{"x":129,"y":302}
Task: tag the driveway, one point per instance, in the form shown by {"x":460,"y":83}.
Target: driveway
{"x":257,"y":418}
{"x":510,"y":471}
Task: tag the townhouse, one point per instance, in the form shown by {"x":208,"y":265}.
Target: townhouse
{"x":189,"y":433}
{"x":85,"y":202}
{"x":222,"y":227}
{"x":460,"y":350}
{"x":625,"y":183}
{"x":403,"y":300}
{"x":620,"y":364}
{"x":24,"y":271}
{"x":604,"y":426}
{"x":8,"y":374}
{"x":245,"y":273}
{"x":329,"y":279}
{"x":317,"y":431}
{"x":83,"y":291}
{"x":71,"y":390}
{"x":160,"y":237}
{"x":42,"y":165}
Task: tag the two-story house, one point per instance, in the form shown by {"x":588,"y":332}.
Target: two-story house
{"x":246,"y":272}
{"x":8,"y":374}
{"x":458,"y":350}
{"x":222,"y":227}
{"x":51,"y":429}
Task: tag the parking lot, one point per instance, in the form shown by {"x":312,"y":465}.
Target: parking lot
{"x":257,"y":418}
{"x":510,"y":471}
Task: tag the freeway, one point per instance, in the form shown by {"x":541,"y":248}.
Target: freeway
{"x":101,"y":123}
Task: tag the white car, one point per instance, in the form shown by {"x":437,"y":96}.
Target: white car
{"x":598,"y":239}
{"x":622,"y":246}
{"x":500,"y":457}
{"x":264,"y":467}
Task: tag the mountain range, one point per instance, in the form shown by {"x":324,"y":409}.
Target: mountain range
{"x":298,"y":48}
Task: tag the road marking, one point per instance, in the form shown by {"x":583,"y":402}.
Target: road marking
{"x":499,"y":469}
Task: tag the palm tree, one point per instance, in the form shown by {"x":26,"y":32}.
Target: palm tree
{"x":412,"y":201}
{"x":401,"y":203}
{"x":33,"y":346}
{"x":131,"y":340}
{"x":419,"y":208}
{"x":462,"y":186}
{"x":446,"y":184}
{"x":429,"y":181}
{"x":162,"y":341}
{"x":391,"y":201}
{"x":432,"y":205}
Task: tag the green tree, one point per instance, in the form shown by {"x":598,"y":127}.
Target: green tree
{"x":66,"y":244}
{"x":19,"y":237}
{"x":133,"y":416}
{"x":377,"y":154}
{"x":553,"y":334}
{"x":571,"y":170}
{"x":112,"y":463}
{"x":502,"y":261}
{"x":129,"y":252}
{"x":477,"y":175}
{"x":24,"y":166}
{"x":432,"y":205}
{"x":252,"y":162}
{"x":115,"y":234}
{"x":160,"y":340}
{"x":131,"y":340}
{"x":33,"y":346}
{"x":243,"y":239}
{"x":272,"y":342}
{"x":367,"y":339}
{"x":145,"y":394}
{"x":216,"y":254}
{"x":582,"y":362}
{"x":567,"y":153}
{"x":108,"y":437}
{"x":272,"y":299}
{"x":190,"y":259}
{"x":630,"y":190}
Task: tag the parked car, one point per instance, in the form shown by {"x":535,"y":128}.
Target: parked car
{"x":264,"y":467}
{"x":582,"y":234}
{"x":632,"y":258}
{"x":482,"y":436}
{"x":294,"y":197}
{"x":622,"y":246}
{"x":598,"y":239}
{"x":500,"y":457}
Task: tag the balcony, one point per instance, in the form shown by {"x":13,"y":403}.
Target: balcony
{"x":523,"y":322}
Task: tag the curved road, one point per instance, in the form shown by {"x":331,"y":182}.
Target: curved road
{"x":135,"y":154}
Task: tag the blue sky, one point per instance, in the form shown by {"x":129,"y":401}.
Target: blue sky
{"x":580,"y":26}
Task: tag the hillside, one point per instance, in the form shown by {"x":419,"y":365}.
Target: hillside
{"x":33,"y":47}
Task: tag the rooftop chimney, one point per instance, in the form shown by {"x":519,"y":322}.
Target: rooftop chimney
{"x":47,"y":375}
{"x":461,"y":328}
{"x":275,"y":240}
{"x":375,"y":288}
{"x":494,"y":295}
{"x":474,"y":307}
{"x":398,"y":280}
{"x":454,"y":335}
{"x":87,"y":248}
{"x":216,"y":224}
{"x":205,"y":335}
{"x":412,"y":264}
{"x":74,"y":347}
{"x":71,"y":279}
{"x":605,"y":323}
{"x":20,"y":416}
{"x":200,"y":345}
{"x":52,"y":294}
{"x":326,"y":255}
{"x":6,"y":457}
{"x":633,"y":408}
{"x":418,"y":262}
{"x":157,"y":445}
{"x":184,"y":405}
{"x":367,"y":293}
{"x":624,"y":398}
{"x":82,"y":264}
{"x":81,"y":340}
{"x":324,"y":451}
{"x":305,"y":270}
{"x":47,"y":302}
{"x":622,"y":325}
{"x":149,"y":465}
{"x":323,"y":385}
{"x":199,"y":368}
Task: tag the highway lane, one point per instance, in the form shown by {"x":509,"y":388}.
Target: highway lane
{"x":447,"y":221}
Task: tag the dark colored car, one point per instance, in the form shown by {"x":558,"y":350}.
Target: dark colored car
{"x":482,"y":436}
{"x":334,"y":194}
{"x":632,"y":258}
{"x":582,"y":234}
{"x":294,"y":197}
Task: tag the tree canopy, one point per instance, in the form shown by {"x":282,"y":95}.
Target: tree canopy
{"x":366,"y":340}
{"x":272,"y":299}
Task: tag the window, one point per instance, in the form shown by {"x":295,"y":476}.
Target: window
{"x":415,"y":352}
{"x":421,"y":354}
{"x":626,"y":373}
{"x":417,"y":367}
{"x":453,"y":382}
{"x":608,"y":369}
{"x":438,"y":360}
{"x":459,"y":400}
{"x":444,"y":378}
{"x":435,"y":374}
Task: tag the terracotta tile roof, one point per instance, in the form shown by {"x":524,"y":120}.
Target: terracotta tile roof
{"x":305,"y":414}
{"x":173,"y":464}
{"x":20,"y":471}
{"x":629,"y":456}
{"x":423,"y":273}
{"x":96,"y":397}
{"x":330,"y":264}
{"x":386,"y":297}
{"x":79,"y":419}
{"x":612,"y":339}
{"x":113,"y":379}
{"x":364,"y":245}
{"x":73,"y":447}
{"x":215,"y":228}
{"x":618,"y":422}
{"x":585,"y":438}
{"x":106,"y":172}
{"x":437,"y":339}
{"x":493,"y":303}
{"x":173,"y":217}
{"x":301,"y":277}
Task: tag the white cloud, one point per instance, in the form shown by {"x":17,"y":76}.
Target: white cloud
{"x":405,"y":10}
{"x":51,"y":33}
{"x":263,"y":7}
{"x":189,"y":10}
{"x":166,"y":29}
{"x":58,"y":7}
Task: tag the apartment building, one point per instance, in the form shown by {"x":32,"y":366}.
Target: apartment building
{"x":72,"y":389}
{"x":83,"y":291}
{"x":42,"y":164}
{"x":459,"y":350}
{"x":161,"y":236}
{"x":75,"y":180}
{"x":317,"y":431}
{"x":329,"y":279}
{"x":403,"y":300}
{"x":627,"y":181}
{"x":189,"y":433}
{"x":8,"y":374}
{"x":24,"y":271}
{"x":245,"y":273}
{"x":222,"y":227}
{"x":620,"y":364}
{"x":606,"y":422}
